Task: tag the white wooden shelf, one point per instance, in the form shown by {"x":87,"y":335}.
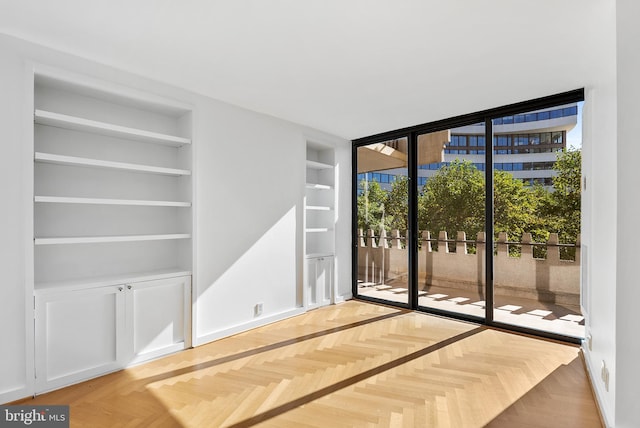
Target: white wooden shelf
{"x":318,"y":165}
{"x":318,"y":208}
{"x":107,"y":239}
{"x":318,"y":229}
{"x":318,"y":186}
{"x":100,"y":201}
{"x":316,"y":255}
{"x":96,"y":163}
{"x":108,"y":280}
{"x":59,"y":120}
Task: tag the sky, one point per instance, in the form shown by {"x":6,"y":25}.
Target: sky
{"x":574,"y":137}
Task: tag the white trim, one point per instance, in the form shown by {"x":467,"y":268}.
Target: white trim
{"x":17,"y":394}
{"x":342,"y":298}
{"x":104,"y":281}
{"x":28,"y":180}
{"x":193,"y":327}
{"x":597,"y":391}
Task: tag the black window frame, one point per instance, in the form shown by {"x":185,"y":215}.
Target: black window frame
{"x":489,"y":117}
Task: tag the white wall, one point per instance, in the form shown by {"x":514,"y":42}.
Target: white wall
{"x":249,"y":211}
{"x":249,"y":182}
{"x":343,"y":224}
{"x":598,"y":236}
{"x":599,"y":210}
{"x":14,"y":370}
{"x":249,"y":203}
{"x":627,"y":411}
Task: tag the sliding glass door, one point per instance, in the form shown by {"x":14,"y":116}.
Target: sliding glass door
{"x":536,"y":205}
{"x":451,"y":220}
{"x":382,"y":220}
{"x":477,"y":217}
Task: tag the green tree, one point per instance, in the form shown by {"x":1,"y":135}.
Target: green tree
{"x":563,"y":205}
{"x":453,"y":200}
{"x":371,"y":206}
{"x":515,"y":206}
{"x":397,"y":204}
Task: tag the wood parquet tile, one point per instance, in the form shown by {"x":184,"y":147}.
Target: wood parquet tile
{"x":352,"y":365}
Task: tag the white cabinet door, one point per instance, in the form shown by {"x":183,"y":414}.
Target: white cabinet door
{"x":319,"y":281}
{"x":82,"y":334}
{"x":158,"y":314}
{"x":79,"y":334}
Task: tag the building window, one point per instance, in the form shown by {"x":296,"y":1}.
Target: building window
{"x":556,"y":138}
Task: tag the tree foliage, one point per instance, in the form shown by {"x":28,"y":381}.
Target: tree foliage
{"x":371,"y":206}
{"x":515,"y":206}
{"x":398,"y":204}
{"x":563,"y":205}
{"x":454,"y":200}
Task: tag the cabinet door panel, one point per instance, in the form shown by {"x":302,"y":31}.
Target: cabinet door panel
{"x":159,"y":313}
{"x":312,"y":283}
{"x":325,"y":280}
{"x":319,"y":281}
{"x":78,"y":335}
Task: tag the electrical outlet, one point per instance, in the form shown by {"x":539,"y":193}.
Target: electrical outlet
{"x":604,"y":374}
{"x":257,"y":309}
{"x":589,"y":340}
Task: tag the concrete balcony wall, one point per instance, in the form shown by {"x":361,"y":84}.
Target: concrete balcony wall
{"x":382,"y":259}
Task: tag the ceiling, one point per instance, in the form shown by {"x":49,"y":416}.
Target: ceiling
{"x":348,"y":67}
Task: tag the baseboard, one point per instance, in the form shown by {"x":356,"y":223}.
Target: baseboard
{"x":596,"y":391}
{"x":15,"y":395}
{"x":342,"y":298}
{"x":239,"y":328}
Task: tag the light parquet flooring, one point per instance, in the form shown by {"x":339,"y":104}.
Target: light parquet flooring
{"x":352,"y":365}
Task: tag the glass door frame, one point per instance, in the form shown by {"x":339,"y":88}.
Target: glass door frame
{"x":411,"y":133}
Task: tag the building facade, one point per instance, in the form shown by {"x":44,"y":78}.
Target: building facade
{"x":525,"y":145}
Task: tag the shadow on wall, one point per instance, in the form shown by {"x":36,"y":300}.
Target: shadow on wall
{"x":253,"y":265}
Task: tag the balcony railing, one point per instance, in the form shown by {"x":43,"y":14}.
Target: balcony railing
{"x":524,"y":268}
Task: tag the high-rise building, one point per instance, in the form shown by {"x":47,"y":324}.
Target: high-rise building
{"x":526,"y":145}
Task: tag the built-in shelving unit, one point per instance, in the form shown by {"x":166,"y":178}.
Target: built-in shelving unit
{"x":320,"y":201}
{"x":320,"y":219}
{"x":112,"y":211}
{"x":112,"y":182}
